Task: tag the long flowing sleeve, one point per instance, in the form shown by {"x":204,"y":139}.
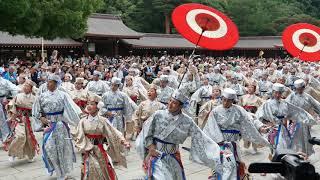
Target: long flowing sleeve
{"x":249,"y":130}
{"x":36,"y":109}
{"x":212,"y":129}
{"x":203,"y":149}
{"x":298,"y":114}
{"x":315,"y":104}
{"x":12,"y":88}
{"x":129,"y":107}
{"x":37,"y":113}
{"x":81,"y":141}
{"x":194,"y":100}
{"x":145,"y":138}
{"x":104,"y":108}
{"x":314,"y":93}
{"x":71,"y":111}
{"x":116,"y":149}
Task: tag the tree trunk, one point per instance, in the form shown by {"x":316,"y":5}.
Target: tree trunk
{"x":167,"y":24}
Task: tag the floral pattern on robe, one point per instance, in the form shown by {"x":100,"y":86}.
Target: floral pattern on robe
{"x":60,"y":110}
{"x":174,"y":130}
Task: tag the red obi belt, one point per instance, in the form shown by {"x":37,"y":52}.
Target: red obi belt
{"x":111,"y":173}
{"x":134,"y":98}
{"x":26,"y":112}
{"x":250,"y":108}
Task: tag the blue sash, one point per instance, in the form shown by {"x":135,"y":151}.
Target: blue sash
{"x":54,"y":113}
{"x":115,"y":109}
{"x":230,"y":131}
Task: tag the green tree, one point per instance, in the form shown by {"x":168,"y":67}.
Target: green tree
{"x":281,"y":23}
{"x":47,"y":18}
{"x":257,"y":17}
{"x":253,"y":17}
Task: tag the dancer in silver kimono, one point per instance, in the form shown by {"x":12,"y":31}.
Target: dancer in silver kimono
{"x":276,"y":112}
{"x":44,"y":87}
{"x":57,"y":110}
{"x":23,"y":142}
{"x":118,"y":107}
{"x":158,"y":142}
{"x":97,"y":86}
{"x":225,"y":124}
{"x":264,"y":86}
{"x":92,"y":133}
{"x":6,"y":88}
{"x":308,"y":103}
{"x":216,"y":78}
{"x":200,"y":97}
{"x":165,"y":91}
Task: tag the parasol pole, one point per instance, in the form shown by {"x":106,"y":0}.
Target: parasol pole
{"x":304,"y":45}
{"x":192,"y":54}
{"x":42,"y":49}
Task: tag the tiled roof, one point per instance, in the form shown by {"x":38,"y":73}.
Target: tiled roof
{"x":19,"y":40}
{"x":106,"y":25}
{"x":175,"y":41}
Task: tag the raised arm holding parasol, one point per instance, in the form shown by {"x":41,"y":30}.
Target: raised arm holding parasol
{"x":205,"y":27}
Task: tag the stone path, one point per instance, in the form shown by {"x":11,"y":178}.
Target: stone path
{"x":22,"y":170}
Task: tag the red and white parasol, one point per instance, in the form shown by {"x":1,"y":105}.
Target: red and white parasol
{"x":205,"y":26}
{"x":302,"y":40}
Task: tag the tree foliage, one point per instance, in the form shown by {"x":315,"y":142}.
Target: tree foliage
{"x":68,"y":18}
{"x":253,"y":17}
{"x":47,"y":18}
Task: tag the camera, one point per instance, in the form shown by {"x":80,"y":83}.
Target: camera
{"x":289,"y":164}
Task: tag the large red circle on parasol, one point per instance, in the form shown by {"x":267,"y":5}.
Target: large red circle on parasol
{"x":192,"y":18}
{"x":302,"y":40}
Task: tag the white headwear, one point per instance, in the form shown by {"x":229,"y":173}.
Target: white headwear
{"x":278,"y":87}
{"x":179,"y":96}
{"x":54,"y":77}
{"x":164,"y":78}
{"x":70,"y":76}
{"x":299,"y":83}
{"x":97,"y":73}
{"x":229,"y":93}
{"x":79,"y":79}
{"x":116,"y":80}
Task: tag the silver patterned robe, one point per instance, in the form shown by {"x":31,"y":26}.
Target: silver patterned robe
{"x":309,"y":104}
{"x":166,"y":132}
{"x":98,"y":87}
{"x":216,"y":79}
{"x":44,"y":88}
{"x":199,"y":98}
{"x":6,"y":88}
{"x":120,"y":105}
{"x":164,"y":94}
{"x":265,"y":88}
{"x":278,"y":113}
{"x":226,"y":125}
{"x":60,"y":110}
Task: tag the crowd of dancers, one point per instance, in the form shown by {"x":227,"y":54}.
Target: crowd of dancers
{"x":97,"y":106}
